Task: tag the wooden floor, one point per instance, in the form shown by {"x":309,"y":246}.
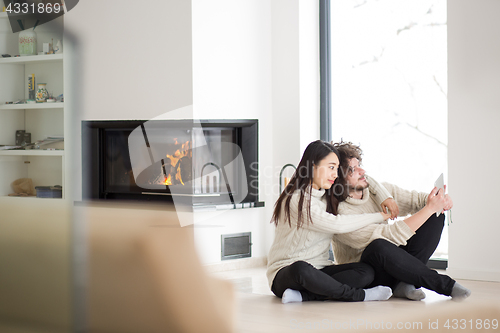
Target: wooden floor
{"x":258,"y":310}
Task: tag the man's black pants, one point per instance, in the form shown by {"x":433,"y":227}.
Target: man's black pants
{"x":393,"y":264}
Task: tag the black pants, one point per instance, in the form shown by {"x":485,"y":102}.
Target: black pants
{"x":334,"y":282}
{"x":393,"y":264}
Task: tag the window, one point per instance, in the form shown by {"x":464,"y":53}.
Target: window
{"x":388,"y":85}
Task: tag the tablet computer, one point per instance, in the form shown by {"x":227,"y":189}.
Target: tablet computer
{"x":439,"y":183}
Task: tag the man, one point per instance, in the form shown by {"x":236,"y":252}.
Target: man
{"x":387,"y":247}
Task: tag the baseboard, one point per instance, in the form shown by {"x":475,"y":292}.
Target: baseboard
{"x":234,"y":264}
{"x":467,"y":274}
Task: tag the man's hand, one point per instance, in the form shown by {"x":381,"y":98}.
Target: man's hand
{"x":393,"y":207}
{"x":448,"y":203}
{"x":435,"y":200}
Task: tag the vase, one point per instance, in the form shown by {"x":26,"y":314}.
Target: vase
{"x":27,"y":43}
{"x":41,"y":94}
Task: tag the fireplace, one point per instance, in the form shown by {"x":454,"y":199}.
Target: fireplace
{"x":207,"y":163}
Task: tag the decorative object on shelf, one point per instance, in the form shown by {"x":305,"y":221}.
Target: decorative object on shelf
{"x":42,"y":93}
{"x":26,"y":140}
{"x":27,"y":42}
{"x":58,"y":48}
{"x":51,"y":47}
{"x":50,"y":143}
{"x":48,"y":48}
{"x":31,"y":87}
{"x":23,"y":187}
{"x":19,"y":137}
{"x":49,"y":191}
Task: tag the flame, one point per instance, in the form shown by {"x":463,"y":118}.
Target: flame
{"x":168,"y":180}
{"x":178,"y":176}
{"x":174,"y":159}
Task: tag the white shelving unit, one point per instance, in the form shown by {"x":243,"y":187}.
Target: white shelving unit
{"x":32,"y":59}
{"x":57,"y":105}
{"x":44,"y":167}
{"x":32,"y":152}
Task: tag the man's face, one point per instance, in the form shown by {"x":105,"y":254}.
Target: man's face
{"x":356,"y":178}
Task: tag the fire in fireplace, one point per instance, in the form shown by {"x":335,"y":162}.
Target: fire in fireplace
{"x":210,"y":162}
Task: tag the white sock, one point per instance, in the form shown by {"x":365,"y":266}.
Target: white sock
{"x":459,"y":292}
{"x":291,"y":296}
{"x":405,"y":290}
{"x":378,"y":293}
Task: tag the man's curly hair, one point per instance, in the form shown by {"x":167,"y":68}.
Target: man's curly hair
{"x":347,"y":150}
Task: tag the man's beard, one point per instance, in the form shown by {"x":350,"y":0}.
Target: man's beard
{"x":358,"y":188}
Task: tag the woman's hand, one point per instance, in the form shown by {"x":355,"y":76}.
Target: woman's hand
{"x":386,"y":216}
{"x":392,"y":205}
{"x":436,"y":200}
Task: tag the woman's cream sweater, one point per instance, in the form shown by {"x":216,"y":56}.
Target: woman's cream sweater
{"x":311,"y":241}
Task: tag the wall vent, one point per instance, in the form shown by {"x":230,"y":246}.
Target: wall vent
{"x":234,"y":246}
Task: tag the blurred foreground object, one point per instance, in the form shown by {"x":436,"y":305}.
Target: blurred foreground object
{"x":145,"y":276}
{"x":35,"y":266}
{"x":140,"y":273}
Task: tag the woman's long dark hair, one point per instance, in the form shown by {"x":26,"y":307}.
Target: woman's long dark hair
{"x":301,"y":179}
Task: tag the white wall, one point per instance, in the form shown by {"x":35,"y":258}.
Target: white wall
{"x":296,"y":79}
{"x":309,"y":72}
{"x":137,"y":62}
{"x":474,"y":137}
{"x":232,"y":79}
{"x":257,"y":59}
{"x":124,"y":63}
{"x":247,"y":59}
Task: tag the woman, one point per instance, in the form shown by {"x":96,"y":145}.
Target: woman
{"x":298,"y":265}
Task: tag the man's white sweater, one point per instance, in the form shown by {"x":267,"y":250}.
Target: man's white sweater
{"x":311,"y":242}
{"x":348,"y":247}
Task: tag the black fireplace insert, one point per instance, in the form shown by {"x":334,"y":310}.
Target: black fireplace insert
{"x":189,"y":162}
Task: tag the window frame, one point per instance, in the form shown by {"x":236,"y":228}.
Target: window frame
{"x":325,"y":122}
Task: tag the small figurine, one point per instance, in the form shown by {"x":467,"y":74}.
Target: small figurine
{"x":58,"y":48}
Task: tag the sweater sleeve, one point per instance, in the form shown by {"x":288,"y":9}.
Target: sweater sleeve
{"x":378,"y":191}
{"x":397,"y":233}
{"x":409,"y":202}
{"x":322,"y":221}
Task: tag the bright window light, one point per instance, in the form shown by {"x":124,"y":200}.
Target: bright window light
{"x":389,"y":88}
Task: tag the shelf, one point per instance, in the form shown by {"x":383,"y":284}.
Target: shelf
{"x":32,"y":152}
{"x":32,"y":59}
{"x":6,"y":198}
{"x":57,"y":105}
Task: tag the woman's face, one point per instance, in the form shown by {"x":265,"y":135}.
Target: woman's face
{"x":325,"y":173}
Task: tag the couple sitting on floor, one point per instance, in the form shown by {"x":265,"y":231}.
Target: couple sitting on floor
{"x":328,"y":200}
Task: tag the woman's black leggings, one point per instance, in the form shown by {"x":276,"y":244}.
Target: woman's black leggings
{"x":393,"y":264}
{"x":334,"y":282}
